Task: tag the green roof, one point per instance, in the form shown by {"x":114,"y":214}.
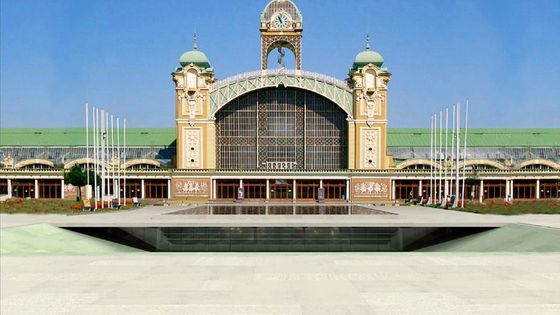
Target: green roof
{"x":480,"y":137}
{"x":77,"y":137}
{"x":397,"y":137}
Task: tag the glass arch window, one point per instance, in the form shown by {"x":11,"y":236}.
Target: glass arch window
{"x":537,"y":167}
{"x":281,"y":128}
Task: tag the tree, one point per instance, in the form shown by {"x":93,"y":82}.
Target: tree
{"x":77,"y":178}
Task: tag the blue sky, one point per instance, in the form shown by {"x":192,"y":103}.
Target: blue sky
{"x":504,"y":56}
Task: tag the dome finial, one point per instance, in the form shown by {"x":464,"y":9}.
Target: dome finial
{"x":194,"y":45}
{"x":367,"y":42}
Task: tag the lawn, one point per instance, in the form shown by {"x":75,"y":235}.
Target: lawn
{"x":514,"y":207}
{"x":44,"y":206}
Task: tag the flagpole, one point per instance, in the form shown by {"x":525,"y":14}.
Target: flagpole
{"x":87,"y":152}
{"x":431,"y":156}
{"x":439,"y":153}
{"x":434,"y":198}
{"x":465,"y":154}
{"x":124,"y":159}
{"x":93,"y":111}
{"x":101,"y":151}
{"x":446,"y":186}
{"x":107,"y":147}
{"x":112,"y":156}
{"x":452,"y":166}
{"x":458,"y":135}
{"x":119,"y":160}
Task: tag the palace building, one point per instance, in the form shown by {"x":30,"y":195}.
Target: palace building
{"x":283,"y":134}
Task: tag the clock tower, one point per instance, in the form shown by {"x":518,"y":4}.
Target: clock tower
{"x":281,"y":27}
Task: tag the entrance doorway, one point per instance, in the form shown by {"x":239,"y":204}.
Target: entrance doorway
{"x":281,"y":189}
{"x":307,"y":189}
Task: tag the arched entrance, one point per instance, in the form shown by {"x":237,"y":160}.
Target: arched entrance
{"x":281,"y":128}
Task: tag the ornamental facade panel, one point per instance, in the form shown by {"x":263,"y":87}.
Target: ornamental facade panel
{"x":192,"y":147}
{"x":191,"y":187}
{"x":370,"y":143}
{"x":371,"y":188}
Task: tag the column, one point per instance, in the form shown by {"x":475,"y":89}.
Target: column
{"x":169,"y":189}
{"x":142,"y":189}
{"x":393,"y":189}
{"x":294,"y":193}
{"x":240,"y":183}
{"x":267,"y":190}
{"x":420,"y":188}
{"x":37,"y":189}
{"x":320,"y":183}
{"x":538,"y":194}
{"x":62,"y":189}
{"x":214,"y":185}
{"x":347,"y":190}
{"x":511,"y":189}
{"x":10,"y":189}
{"x":507,"y":189}
{"x":481,"y":192}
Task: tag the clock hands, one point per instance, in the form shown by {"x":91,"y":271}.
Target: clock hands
{"x":281,"y":21}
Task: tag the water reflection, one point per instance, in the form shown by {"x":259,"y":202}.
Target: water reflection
{"x":280,"y":210}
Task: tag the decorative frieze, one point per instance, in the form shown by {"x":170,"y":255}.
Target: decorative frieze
{"x":374,"y":188}
{"x":191,"y":187}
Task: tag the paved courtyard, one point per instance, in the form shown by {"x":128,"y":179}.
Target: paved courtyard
{"x":158,"y":216}
{"x":279,"y":283}
{"x":260,"y":283}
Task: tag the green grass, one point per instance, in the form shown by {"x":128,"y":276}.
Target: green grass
{"x":45,"y":206}
{"x":514,"y":208}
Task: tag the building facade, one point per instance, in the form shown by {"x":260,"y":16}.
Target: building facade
{"x":288,"y":135}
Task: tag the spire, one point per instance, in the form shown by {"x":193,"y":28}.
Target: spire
{"x":367,"y":42}
{"x":194,"y":45}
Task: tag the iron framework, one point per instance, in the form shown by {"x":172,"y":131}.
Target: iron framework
{"x":281,"y":128}
{"x":337,"y":91}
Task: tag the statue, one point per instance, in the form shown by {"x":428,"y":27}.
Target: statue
{"x":281,"y":58}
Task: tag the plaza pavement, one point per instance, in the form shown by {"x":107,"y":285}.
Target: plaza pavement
{"x":158,"y":216}
{"x":280,"y":283}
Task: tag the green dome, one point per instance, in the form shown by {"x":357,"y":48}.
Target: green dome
{"x":196,"y":57}
{"x":366,"y":57}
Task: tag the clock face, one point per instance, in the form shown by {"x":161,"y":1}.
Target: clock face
{"x":281,"y":21}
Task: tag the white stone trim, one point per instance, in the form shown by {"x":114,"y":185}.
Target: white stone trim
{"x":197,"y":155}
{"x":373,"y":135}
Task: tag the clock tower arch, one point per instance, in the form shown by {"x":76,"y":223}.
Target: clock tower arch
{"x":281,"y":27}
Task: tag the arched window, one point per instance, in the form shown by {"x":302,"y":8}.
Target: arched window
{"x":143,"y":166}
{"x":417,"y":167}
{"x":537,"y":167}
{"x":281,"y":128}
{"x":37,"y":166}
